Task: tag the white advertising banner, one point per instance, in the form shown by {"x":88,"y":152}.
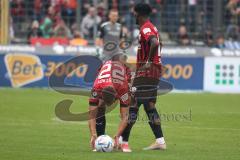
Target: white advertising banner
{"x":222,"y":74}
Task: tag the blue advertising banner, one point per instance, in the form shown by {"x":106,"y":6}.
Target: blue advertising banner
{"x":27,"y":70}
{"x":184,"y":73}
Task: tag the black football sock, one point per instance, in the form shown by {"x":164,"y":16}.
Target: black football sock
{"x":100,"y":121}
{"x":154,"y":121}
{"x":133,"y":113}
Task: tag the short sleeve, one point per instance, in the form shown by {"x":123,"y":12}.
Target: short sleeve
{"x":94,"y":99}
{"x":124,"y":98}
{"x":147,"y":32}
{"x":101,"y":31}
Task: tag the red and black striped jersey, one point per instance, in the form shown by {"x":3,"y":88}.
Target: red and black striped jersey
{"x":147,"y":31}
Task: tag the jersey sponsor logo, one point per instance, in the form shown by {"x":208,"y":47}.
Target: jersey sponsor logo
{"x":23,"y":69}
{"x":146,"y":30}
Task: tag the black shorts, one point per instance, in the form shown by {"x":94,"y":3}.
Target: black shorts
{"x":146,"y":89}
{"x":95,"y":97}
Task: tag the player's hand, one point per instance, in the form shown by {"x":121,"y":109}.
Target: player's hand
{"x":92,"y":141}
{"x":116,"y":142}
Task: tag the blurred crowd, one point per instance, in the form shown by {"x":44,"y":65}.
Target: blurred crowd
{"x":186,"y":22}
{"x":227,"y":36}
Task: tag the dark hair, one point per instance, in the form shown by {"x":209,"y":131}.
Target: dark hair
{"x":143,"y":9}
{"x":116,"y":57}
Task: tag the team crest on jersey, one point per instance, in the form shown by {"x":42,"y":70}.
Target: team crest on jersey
{"x":94,"y":94}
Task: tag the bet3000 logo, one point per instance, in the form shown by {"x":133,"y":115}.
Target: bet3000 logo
{"x":23,"y":69}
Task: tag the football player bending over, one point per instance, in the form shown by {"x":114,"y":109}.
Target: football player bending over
{"x":110,"y":85}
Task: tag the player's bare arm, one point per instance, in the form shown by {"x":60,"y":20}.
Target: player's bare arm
{"x":92,"y":125}
{"x":92,"y":122}
{"x":123,"y":123}
{"x":124,"y":120}
{"x":154,"y":44}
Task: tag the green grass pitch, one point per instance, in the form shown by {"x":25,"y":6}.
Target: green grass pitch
{"x":29,"y":129}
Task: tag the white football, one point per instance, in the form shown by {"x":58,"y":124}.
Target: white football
{"x":104,"y":143}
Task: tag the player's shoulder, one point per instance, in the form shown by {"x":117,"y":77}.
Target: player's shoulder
{"x":148,"y":27}
{"x":106,"y":63}
{"x":104,"y":24}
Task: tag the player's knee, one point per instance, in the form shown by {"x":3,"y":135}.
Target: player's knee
{"x":149,"y":106}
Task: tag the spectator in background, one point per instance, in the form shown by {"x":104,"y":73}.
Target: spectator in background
{"x":183,"y":37}
{"x":75,"y":27}
{"x":220,"y":42}
{"x":88,"y":23}
{"x":233,"y":37}
{"x":54,"y":15}
{"x":17,"y":10}
{"x":78,"y":40}
{"x":69,"y":11}
{"x":61,"y":30}
{"x":128,"y":16}
{"x":192,"y":13}
{"x":49,"y":22}
{"x":34,"y":31}
{"x":234,"y":7}
{"x":46,"y":28}
{"x":38,"y":11}
{"x":156,"y":9}
{"x":171,"y":13}
{"x":85,"y":8}
{"x":101,"y":11}
{"x":113,"y":4}
{"x":208,"y":37}
{"x":55,"y":8}
{"x":232,"y":32}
